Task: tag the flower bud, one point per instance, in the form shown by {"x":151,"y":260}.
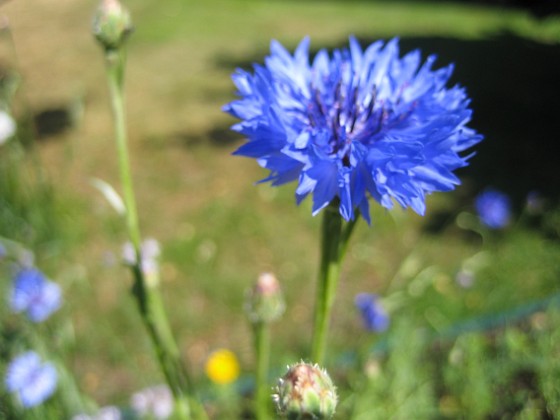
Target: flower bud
{"x":305,"y":392}
{"x":265,"y":302}
{"x":111,"y":24}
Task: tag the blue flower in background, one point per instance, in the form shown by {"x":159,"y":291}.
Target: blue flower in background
{"x":33,"y":294}
{"x":31,"y":380}
{"x":494,"y":208}
{"x":354,"y":124}
{"x":374,"y":317}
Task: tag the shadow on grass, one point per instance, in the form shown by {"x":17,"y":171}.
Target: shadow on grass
{"x":538,"y":8}
{"x":219,"y":136}
{"x":514,"y":85}
{"x":514,"y":88}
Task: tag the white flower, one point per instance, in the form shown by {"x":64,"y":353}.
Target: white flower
{"x":7,"y":127}
{"x":155,"y":401}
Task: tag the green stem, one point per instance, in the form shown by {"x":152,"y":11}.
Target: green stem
{"x":148,"y":298}
{"x":262,"y":350}
{"x":334,"y":240}
{"x":328,"y":279}
{"x":153,"y":315}
{"x":115,"y":74}
{"x":346,"y":233}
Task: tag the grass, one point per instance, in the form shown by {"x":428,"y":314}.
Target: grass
{"x":218,"y":229}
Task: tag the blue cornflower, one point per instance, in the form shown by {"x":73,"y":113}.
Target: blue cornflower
{"x":30,"y":380}
{"x":33,"y":294}
{"x":494,"y":208}
{"x":374,"y":317}
{"x":354,"y":124}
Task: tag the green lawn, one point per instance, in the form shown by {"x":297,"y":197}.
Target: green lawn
{"x":218,"y":229}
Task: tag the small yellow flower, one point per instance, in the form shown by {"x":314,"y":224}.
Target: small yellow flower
{"x":222,"y":367}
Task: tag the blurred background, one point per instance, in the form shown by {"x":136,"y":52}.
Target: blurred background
{"x":219,"y":230}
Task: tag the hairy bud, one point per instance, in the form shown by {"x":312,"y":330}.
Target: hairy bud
{"x":111,"y":24}
{"x":305,"y":392}
{"x":265,"y":302}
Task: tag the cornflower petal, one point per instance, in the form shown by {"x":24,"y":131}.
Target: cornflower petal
{"x":33,"y":294}
{"x":374,"y":317}
{"x":494,"y":208}
{"x":354,"y":125}
{"x":31,"y":380}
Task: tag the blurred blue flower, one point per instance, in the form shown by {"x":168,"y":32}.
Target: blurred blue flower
{"x":494,"y":208}
{"x":354,"y":124}
{"x":374,"y":317}
{"x":30,"y":380}
{"x":33,"y":294}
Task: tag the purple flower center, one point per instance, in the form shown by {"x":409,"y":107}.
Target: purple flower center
{"x":349,"y":116}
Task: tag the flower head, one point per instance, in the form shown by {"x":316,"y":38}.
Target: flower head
{"x":222,"y":367}
{"x":306,"y":392}
{"x":374,"y":317}
{"x":30,"y":380}
{"x":111,"y":24}
{"x":265,"y":301}
{"x":494,"y":208}
{"x":33,"y":294}
{"x":355,"y":124}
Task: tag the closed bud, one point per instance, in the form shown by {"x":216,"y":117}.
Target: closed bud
{"x":305,"y":392}
{"x":265,"y":302}
{"x":111,"y":24}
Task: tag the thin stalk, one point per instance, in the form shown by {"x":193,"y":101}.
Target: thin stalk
{"x":346,"y":234}
{"x":115,"y":73}
{"x":331,"y":234}
{"x":147,"y":296}
{"x":262,"y":350}
{"x":153,"y":315}
{"x":334,"y":240}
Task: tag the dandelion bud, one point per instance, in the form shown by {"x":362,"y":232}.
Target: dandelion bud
{"x":305,"y":392}
{"x":111,"y":24}
{"x":265,"y":302}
